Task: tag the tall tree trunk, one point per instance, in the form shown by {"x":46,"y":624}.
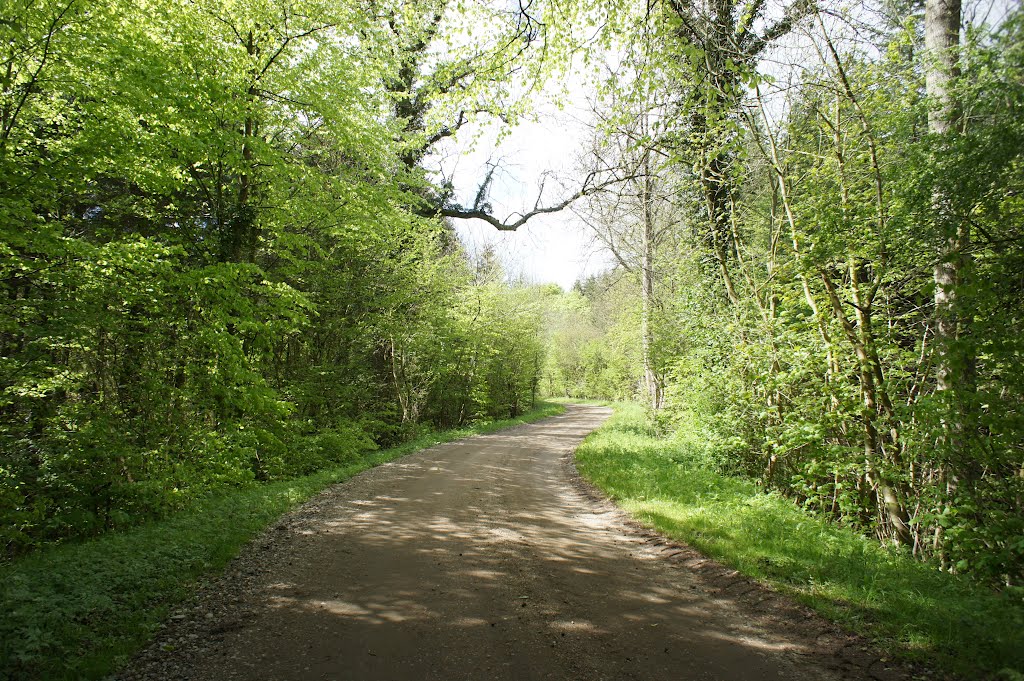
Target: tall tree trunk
{"x":242,"y":228}
{"x":953,"y":375}
{"x":942,"y":36}
{"x":893,"y":511}
{"x":715,"y":179}
{"x":651,"y":384}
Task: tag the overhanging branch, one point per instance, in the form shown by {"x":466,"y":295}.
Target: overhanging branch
{"x":480,"y":210}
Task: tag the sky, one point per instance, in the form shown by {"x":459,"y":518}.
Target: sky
{"x":554,"y":247}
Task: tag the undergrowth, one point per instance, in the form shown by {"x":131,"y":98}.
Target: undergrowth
{"x":79,"y":610}
{"x":909,"y":608}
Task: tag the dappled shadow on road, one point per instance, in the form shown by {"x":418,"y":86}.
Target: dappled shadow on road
{"x":478,"y":560}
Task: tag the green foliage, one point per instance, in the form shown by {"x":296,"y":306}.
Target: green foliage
{"x":908,"y":608}
{"x":592,"y":340}
{"x":343,"y":445}
{"x":107,"y":414}
{"x":215,"y":265}
{"x":796,"y":327}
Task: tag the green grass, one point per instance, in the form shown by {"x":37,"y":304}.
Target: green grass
{"x":908,"y":608}
{"x":78,"y":611}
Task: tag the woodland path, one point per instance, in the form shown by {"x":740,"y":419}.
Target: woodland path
{"x":487,"y":558}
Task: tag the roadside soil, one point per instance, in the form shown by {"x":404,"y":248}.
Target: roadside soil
{"x":488,"y":558}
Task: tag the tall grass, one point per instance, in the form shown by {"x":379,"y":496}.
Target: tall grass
{"x":78,"y":611}
{"x":909,"y":608}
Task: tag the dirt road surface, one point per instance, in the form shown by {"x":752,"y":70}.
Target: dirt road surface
{"x":485,"y":559}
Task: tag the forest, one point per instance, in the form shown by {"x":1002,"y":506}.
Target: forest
{"x":222,"y":261}
{"x":819,"y":263}
{"x":228,"y":255}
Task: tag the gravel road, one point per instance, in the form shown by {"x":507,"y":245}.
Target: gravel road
{"x":488,"y":558}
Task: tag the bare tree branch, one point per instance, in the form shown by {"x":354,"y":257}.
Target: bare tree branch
{"x":481,"y":209}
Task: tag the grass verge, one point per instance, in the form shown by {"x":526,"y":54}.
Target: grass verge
{"x":78,"y":611}
{"x":908,"y":608}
